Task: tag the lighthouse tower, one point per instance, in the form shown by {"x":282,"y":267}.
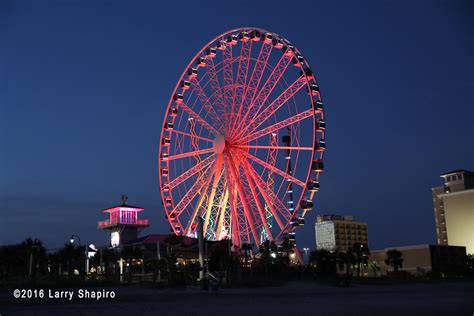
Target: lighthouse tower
{"x":123,"y":224}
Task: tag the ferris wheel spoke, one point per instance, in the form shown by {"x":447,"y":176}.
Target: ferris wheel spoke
{"x":266,"y":194}
{"x":192,"y":135}
{"x":218,"y":104}
{"x":241,"y":192}
{"x":275,"y":170}
{"x":255,"y":78}
{"x":268,"y":87}
{"x":228,"y":82}
{"x":199,"y":119}
{"x":233,"y":204}
{"x":242,"y":72}
{"x":191,"y":153}
{"x":272,"y":147}
{"x":266,"y":113}
{"x":192,"y":192}
{"x":279,"y":125}
{"x":206,"y":103}
{"x":192,"y":171}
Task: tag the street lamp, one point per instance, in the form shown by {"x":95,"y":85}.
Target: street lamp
{"x":72,"y":239}
{"x":35,"y":245}
{"x":306,"y":259}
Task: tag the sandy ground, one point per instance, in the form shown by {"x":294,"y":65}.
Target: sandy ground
{"x":292,"y":299}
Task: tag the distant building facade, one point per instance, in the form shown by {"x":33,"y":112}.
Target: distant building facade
{"x":454,"y":209}
{"x":339,"y":232}
{"x":442,"y":260}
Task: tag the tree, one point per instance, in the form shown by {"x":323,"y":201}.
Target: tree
{"x":324,"y":260}
{"x":470,"y":263}
{"x":394,"y":259}
{"x":24,"y":258}
{"x":172,"y":242}
{"x":268,"y":255}
{"x":129,"y":254}
{"x":70,"y":257}
{"x":361,"y":252}
{"x":349,"y":259}
{"x":340,"y":259}
{"x":374,"y":266}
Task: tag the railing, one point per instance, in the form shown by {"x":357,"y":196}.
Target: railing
{"x":107,"y":223}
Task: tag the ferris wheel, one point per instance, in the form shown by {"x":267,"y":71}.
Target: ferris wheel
{"x":243,"y":140}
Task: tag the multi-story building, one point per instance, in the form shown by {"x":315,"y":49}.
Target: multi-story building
{"x":339,"y":232}
{"x":454,"y":209}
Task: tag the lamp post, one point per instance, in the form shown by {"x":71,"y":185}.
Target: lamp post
{"x":86,"y":263}
{"x":34,"y":246}
{"x":306,"y":259}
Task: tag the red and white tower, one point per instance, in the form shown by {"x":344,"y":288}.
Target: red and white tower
{"x":123,"y":223}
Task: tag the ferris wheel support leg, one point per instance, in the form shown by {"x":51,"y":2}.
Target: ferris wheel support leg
{"x":213,"y":192}
{"x":233,"y":205}
{"x":201,"y":199}
{"x":221,"y":219}
{"x":241,"y":192}
{"x":268,"y":200}
{"x":260,"y":208}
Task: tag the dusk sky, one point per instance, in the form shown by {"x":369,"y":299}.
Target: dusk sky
{"x":84,"y":86}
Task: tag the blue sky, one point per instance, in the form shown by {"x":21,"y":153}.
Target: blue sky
{"x":84,"y":86}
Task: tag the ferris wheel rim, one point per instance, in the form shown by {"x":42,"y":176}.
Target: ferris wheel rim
{"x":170,"y":103}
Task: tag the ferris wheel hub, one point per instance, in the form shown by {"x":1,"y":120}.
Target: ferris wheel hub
{"x":219,"y":144}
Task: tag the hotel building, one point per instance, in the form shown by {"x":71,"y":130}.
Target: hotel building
{"x":454,"y":209}
{"x":339,"y":232}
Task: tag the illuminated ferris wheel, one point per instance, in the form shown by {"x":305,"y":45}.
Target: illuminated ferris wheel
{"x":242,"y":141}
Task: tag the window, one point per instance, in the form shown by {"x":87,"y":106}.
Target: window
{"x":459,"y":176}
{"x":448,"y":178}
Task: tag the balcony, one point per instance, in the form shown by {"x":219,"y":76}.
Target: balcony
{"x":109,"y":223}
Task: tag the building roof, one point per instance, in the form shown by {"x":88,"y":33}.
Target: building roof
{"x":455,"y":171}
{"x":124,"y":205}
{"x":154,"y":238}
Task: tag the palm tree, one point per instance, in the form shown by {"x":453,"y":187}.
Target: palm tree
{"x":394,"y":259}
{"x":324,"y":260}
{"x":374,"y":266}
{"x":362,"y":253}
{"x":349,"y":259}
{"x":268,"y":255}
{"x":340,"y":259}
{"x":172,"y":242}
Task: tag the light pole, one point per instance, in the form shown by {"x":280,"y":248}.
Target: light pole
{"x":86,"y":263}
{"x":306,"y":259}
{"x":35,"y":245}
